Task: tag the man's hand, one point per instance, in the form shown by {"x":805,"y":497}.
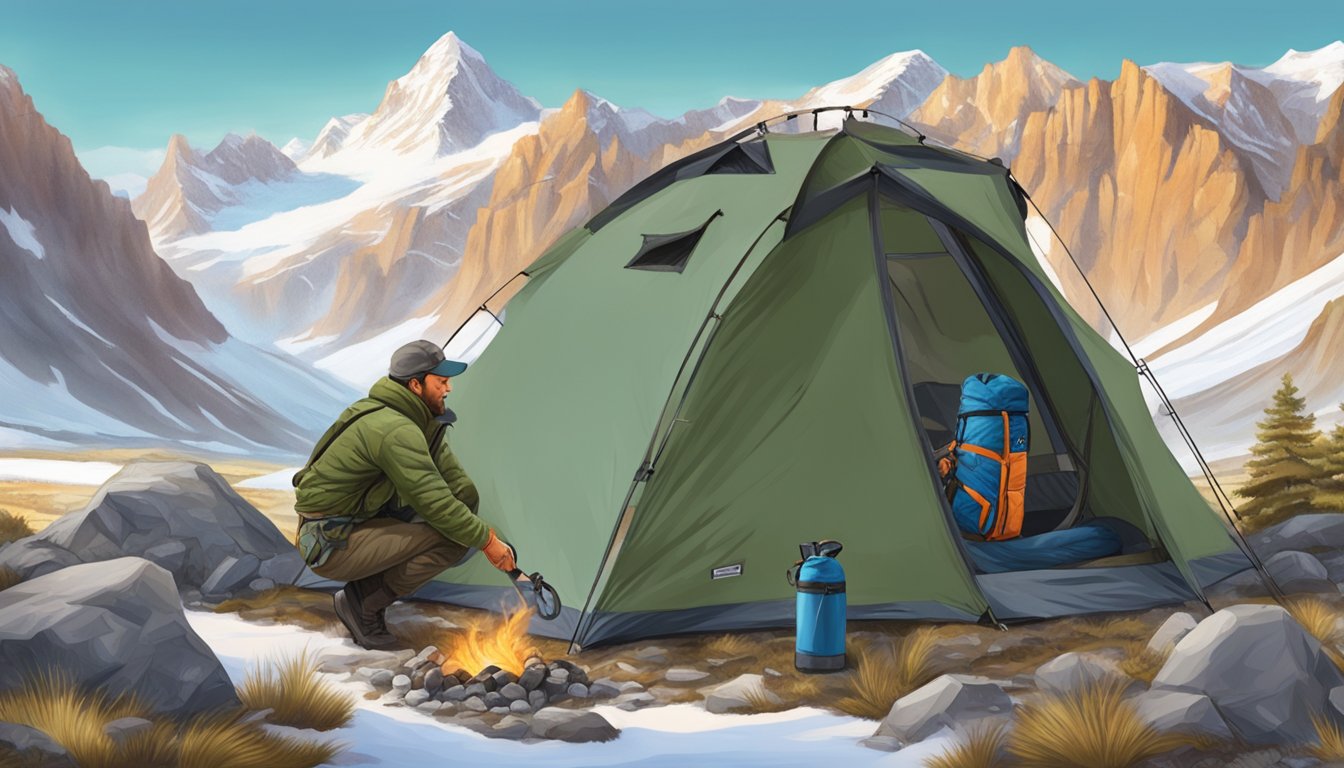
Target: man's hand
{"x":499,"y":553}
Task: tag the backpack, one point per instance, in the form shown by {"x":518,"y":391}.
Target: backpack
{"x":984,"y":469}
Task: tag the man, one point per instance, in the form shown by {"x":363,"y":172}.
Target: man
{"x":383,"y":502}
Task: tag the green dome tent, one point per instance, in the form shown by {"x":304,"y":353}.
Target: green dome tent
{"x":758,"y":346}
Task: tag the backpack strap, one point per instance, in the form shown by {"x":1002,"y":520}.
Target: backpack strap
{"x":333,"y":432}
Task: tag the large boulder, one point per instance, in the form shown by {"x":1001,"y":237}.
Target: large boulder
{"x":179,"y":515}
{"x":570,"y":725}
{"x":1304,"y":532}
{"x":1266,"y":675}
{"x":946,"y":702}
{"x":1299,"y":572}
{"x":1182,"y":712}
{"x":117,"y":626}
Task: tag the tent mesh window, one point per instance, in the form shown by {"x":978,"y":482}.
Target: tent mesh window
{"x":752,"y":157}
{"x":669,"y":253}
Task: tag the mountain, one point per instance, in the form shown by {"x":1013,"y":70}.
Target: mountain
{"x":894,"y":85}
{"x":103,"y":343}
{"x":189,"y":188}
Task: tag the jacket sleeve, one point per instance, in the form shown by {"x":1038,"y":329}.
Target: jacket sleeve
{"x":404,"y":457}
{"x":456,"y":478}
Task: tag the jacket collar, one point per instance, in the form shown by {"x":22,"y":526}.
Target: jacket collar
{"x":403,"y":401}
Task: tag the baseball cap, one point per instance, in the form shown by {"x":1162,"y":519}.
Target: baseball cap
{"x":419,"y":357}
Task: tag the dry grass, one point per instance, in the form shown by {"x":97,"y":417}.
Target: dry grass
{"x":982,"y":747}
{"x":8,"y":578}
{"x":13,"y":527}
{"x":1092,"y":726}
{"x":759,"y":700}
{"x":76,"y":719}
{"x":1322,"y":621}
{"x":729,"y":645}
{"x":1330,"y":741}
{"x":297,"y":694}
{"x":286,"y":605}
{"x":885,"y":674}
{"x":1142,"y":663}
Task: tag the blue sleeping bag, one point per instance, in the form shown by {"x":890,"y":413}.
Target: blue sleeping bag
{"x":1088,"y":541}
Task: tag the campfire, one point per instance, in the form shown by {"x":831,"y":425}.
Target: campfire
{"x":489,"y":642}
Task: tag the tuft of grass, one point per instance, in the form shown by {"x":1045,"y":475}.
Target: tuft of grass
{"x":981,"y":747}
{"x":1330,"y":741}
{"x":214,"y":740}
{"x":1092,"y":725}
{"x":1141,"y":662}
{"x":729,"y":645}
{"x":8,"y":578}
{"x":13,"y":527}
{"x":759,"y":700}
{"x":886,"y":674}
{"x":297,"y":693}
{"x":285,"y":605}
{"x":72,"y":717}
{"x":1322,"y":621}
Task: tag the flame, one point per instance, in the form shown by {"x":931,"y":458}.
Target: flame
{"x":505,"y":645}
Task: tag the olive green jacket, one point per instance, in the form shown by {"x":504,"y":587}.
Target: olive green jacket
{"x":395,"y":448}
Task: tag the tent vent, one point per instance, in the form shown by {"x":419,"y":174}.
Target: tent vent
{"x":669,"y":253}
{"x":752,"y":157}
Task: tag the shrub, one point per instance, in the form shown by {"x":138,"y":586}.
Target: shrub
{"x":216,"y":740}
{"x":1092,"y":725}
{"x":982,"y":747}
{"x":1330,"y":741}
{"x":1322,"y":621}
{"x":13,"y":527}
{"x":1141,"y":662}
{"x":297,"y":694}
{"x":886,"y":674}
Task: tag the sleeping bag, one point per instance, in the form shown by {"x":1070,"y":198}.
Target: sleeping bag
{"x":985,"y":467}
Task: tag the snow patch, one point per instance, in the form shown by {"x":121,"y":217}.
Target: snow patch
{"x":22,"y":232}
{"x":58,"y":471}
{"x":282,"y":480}
{"x":1173,"y":331}
{"x":364,"y":363}
{"x":78,"y":323}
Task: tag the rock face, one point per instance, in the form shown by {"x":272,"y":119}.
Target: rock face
{"x":116,"y":625}
{"x":181,"y":516}
{"x":948,"y":701}
{"x":1263,"y":672}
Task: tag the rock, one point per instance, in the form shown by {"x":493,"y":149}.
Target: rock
{"x":559,"y":673}
{"x":532,"y":677}
{"x":554,"y":686}
{"x":633,"y":701}
{"x":364,"y":674}
{"x":415,"y":698}
{"x":382,"y":678}
{"x":418,"y":676}
{"x":630,"y":686}
{"x":429,"y":707}
{"x":339,"y":658}
{"x":1177,"y":626}
{"x":149,"y":504}
{"x":260,"y":585}
{"x":1337,"y":702}
{"x":1321,"y":531}
{"x":503,"y":678}
{"x":284,"y":568}
{"x":1299,"y":572}
{"x":433,"y":680}
{"x":485,"y":674}
{"x":476,"y":689}
{"x":627,"y":668}
{"x":1071,"y":671}
{"x":653,"y":655}
{"x":520,"y":707}
{"x":455,"y":693}
{"x":773,"y":673}
{"x":733,"y":694}
{"x":31,"y":557}
{"x":123,"y":728}
{"x":603,"y":688}
{"x":401,"y":683}
{"x":474,"y":704}
{"x":514,"y":692}
{"x":495,"y":699}
{"x":510,"y":728}
{"x":1184,"y":712}
{"x":577,"y":690}
{"x":574,"y":726}
{"x":684,"y":675}
{"x":537,"y":699}
{"x":117,"y":625}
{"x":499,"y":710}
{"x":882,"y":743}
{"x":1266,"y":675}
{"x":29,"y":746}
{"x":423,"y":656}
{"x":947,"y":701}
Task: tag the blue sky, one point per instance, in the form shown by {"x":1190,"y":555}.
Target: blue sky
{"x":125,"y":76}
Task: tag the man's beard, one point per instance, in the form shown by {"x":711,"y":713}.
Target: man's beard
{"x":434,"y":404}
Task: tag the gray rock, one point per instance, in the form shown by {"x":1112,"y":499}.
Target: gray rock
{"x":364,"y":674}
{"x":733,"y":695}
{"x":123,"y":728}
{"x":1299,"y":572}
{"x":260,"y":585}
{"x":117,"y":625}
{"x":684,"y":675}
{"x":1301,"y":532}
{"x":170,"y":555}
{"x":495,"y":699}
{"x":232,"y":574}
{"x":149,"y":504}
{"x":476,"y":689}
{"x":560,"y":673}
{"x":1071,"y":671}
{"x":502,"y":678}
{"x":514,"y":692}
{"x":1177,"y":626}
{"x":883,"y":743}
{"x":633,"y":701}
{"x":603,"y":688}
{"x":1264,"y":673}
{"x":1337,"y":702}
{"x":653,"y":655}
{"x":401,"y":683}
{"x":947,"y":701}
{"x":627,"y":668}
{"x":382,"y":678}
{"x":773,"y":672}
{"x":510,"y":727}
{"x":455,"y":693}
{"x":537,"y":699}
{"x":1179,"y":711}
{"x":284,"y":568}
{"x":32,"y":747}
{"x":429,"y":707}
{"x":474,"y":704}
{"x":574,"y":726}
{"x":499,"y":710}
{"x":577,"y":690}
{"x":33,"y":556}
{"x":434,"y":680}
{"x":532,"y":677}
{"x":520,"y":707}
{"x":422,"y":657}
{"x":417,"y":697}
{"x":630,"y":686}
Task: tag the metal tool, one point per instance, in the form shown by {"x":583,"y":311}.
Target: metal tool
{"x":545,"y":600}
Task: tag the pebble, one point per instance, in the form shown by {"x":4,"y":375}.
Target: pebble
{"x":624,"y":667}
{"x":773,"y":673}
{"x":416,"y":697}
{"x":604,"y":688}
{"x":401,"y":683}
{"x":474,"y":704}
{"x":429,"y":707}
{"x":456,"y":693}
{"x":577,"y":690}
{"x":537,"y":699}
{"x":630,"y":686}
{"x":514,"y":692}
{"x":520,"y":707}
{"x":560,"y":674}
{"x":684,"y":675}
{"x":633,"y":701}
{"x":495,"y":699}
{"x":381,"y":678}
{"x":476,"y":689}
{"x":532,"y":677}
{"x":499,"y":710}
{"x":434,"y":680}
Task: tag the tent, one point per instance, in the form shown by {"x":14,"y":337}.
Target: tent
{"x":757,"y":346}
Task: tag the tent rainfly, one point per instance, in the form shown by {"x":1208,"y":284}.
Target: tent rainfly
{"x":761,"y":344}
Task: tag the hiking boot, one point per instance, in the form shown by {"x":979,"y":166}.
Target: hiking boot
{"x":360,"y":607}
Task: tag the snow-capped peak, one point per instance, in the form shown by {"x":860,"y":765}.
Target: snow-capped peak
{"x":897,"y":83}
{"x":295,"y":149}
{"x":1324,"y":67}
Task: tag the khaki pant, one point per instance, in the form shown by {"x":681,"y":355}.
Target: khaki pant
{"x":407,"y":555}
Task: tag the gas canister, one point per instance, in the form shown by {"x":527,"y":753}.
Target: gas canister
{"x":820,"y":583}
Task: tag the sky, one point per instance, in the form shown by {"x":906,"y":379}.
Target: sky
{"x":121,"y":78}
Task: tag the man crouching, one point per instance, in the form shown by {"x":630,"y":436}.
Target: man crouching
{"x":384,"y":504}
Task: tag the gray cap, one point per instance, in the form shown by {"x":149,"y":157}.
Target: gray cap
{"x":420,"y":357}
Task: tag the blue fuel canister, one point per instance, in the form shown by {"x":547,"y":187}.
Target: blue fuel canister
{"x":820,"y":584}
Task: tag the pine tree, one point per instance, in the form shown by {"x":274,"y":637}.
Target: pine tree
{"x":1330,"y":489}
{"x":1286,"y":470}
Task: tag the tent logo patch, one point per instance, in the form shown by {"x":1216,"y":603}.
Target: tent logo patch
{"x":726,"y":571}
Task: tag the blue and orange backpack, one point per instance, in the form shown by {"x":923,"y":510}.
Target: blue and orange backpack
{"x":984,"y":469}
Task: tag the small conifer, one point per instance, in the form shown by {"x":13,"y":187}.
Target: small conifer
{"x":1286,"y":469}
